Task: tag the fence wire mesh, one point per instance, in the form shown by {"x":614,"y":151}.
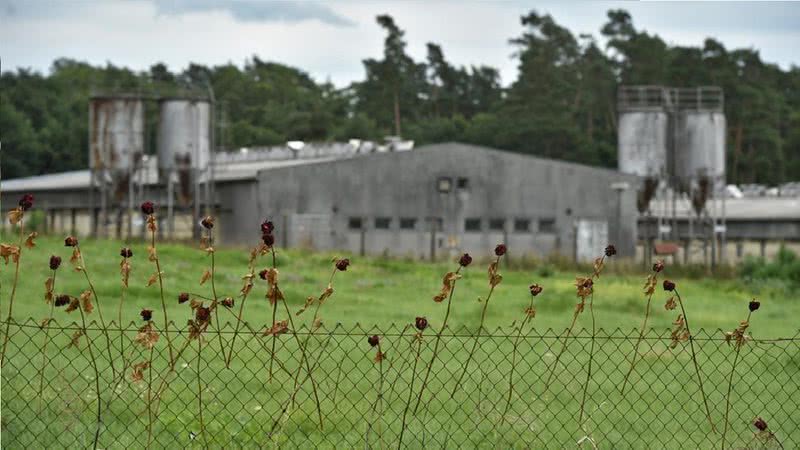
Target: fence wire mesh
{"x":49,"y":389}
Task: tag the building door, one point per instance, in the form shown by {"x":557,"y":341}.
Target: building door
{"x":591,"y":238}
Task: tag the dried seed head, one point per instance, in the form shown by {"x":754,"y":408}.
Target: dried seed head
{"x":125,"y":252}
{"x":373,"y":340}
{"x":669,"y":286}
{"x":269,"y":239}
{"x":26,"y":202}
{"x":62,"y":300}
{"x":148,"y":207}
{"x":760,"y":423}
{"x":147,"y":315}
{"x":536,"y":289}
{"x":263,"y":274}
{"x":421,"y":323}
{"x":202,"y":314}
{"x":183,"y":297}
{"x":342,"y":264}
{"x":227,"y":302}
{"x":267,"y":227}
{"x":754,"y":305}
{"x":611,"y":250}
{"x":71,"y":241}
{"x":55,"y":262}
{"x":500,"y":250}
{"x":658,"y":266}
{"x":465,"y":260}
{"x":207,"y":222}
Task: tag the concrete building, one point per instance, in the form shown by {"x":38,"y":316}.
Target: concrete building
{"x":431,"y":202}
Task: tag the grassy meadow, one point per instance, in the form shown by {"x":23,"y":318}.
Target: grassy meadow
{"x":241,"y":403}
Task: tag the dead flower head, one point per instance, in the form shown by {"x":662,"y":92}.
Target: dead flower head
{"x":658,"y":266}
{"x":183,"y":297}
{"x":147,"y":315}
{"x":207,"y":222}
{"x":535,"y":289}
{"x":26,"y":202}
{"x":760,"y":424}
{"x":421,"y":323}
{"x":374,"y":340}
{"x":125,"y":252}
{"x":55,"y":262}
{"x":465,"y":260}
{"x":754,"y":305}
{"x":342,"y":264}
{"x":500,"y":249}
{"x":148,"y":208}
{"x":610,"y":250}
{"x":71,"y":241}
{"x":669,"y":286}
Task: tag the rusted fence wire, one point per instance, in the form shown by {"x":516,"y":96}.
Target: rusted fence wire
{"x":50,"y":395}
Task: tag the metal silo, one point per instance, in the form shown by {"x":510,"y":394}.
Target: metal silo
{"x":116,"y":137}
{"x":184,"y":137}
{"x":700,"y":149}
{"x":642,"y":140}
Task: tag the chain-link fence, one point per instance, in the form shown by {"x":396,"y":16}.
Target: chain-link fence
{"x":264,"y":398}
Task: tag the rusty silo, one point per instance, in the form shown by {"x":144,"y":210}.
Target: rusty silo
{"x":116,"y":139}
{"x":700,"y":136}
{"x":184,"y":143}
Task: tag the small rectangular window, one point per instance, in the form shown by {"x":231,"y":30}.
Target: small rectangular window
{"x":444,"y":184}
{"x":472,"y":224}
{"x":497,"y":224}
{"x":462,"y":183}
{"x":522,"y":225}
{"x":382,"y":223}
{"x":547,"y":225}
{"x":354,"y":223}
{"x":408,"y":223}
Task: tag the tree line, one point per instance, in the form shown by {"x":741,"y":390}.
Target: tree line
{"x":561,"y":105}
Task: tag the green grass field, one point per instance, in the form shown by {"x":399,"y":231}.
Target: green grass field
{"x":240,"y":404}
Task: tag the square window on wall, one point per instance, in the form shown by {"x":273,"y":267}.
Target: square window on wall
{"x":472,"y":224}
{"x":408,"y":223}
{"x":522,"y":225}
{"x":444,"y":184}
{"x":383,"y":223}
{"x":547,"y":225}
{"x":497,"y":224}
{"x":355,"y":223}
{"x":462,"y":183}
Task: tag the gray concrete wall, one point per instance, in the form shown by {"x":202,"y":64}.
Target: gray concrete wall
{"x":501,"y":185}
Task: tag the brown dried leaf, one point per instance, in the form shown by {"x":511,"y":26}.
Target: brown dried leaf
{"x":9,"y":251}
{"x":277,"y":328}
{"x":530,"y":311}
{"x":153,"y":278}
{"x":74,"y":304}
{"x":125,"y":271}
{"x":48,"y":286}
{"x":151,"y":223}
{"x":206,"y":276}
{"x":137,"y":374}
{"x":326,"y":294}
{"x":86,"y":301}
{"x":317,"y":324}
{"x":15,"y":215}
{"x":309,"y":302}
{"x":29,"y":242}
{"x":152,"y":253}
{"x":380,"y":356}
{"x":45,"y":322}
{"x":75,"y":339}
{"x":75,"y":259}
{"x":147,"y":336}
{"x":670,"y":304}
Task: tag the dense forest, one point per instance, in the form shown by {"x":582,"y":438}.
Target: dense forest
{"x":562,"y":104}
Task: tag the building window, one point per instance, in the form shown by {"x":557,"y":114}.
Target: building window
{"x":462,"y":183}
{"x":472,"y":224}
{"x":354,"y":223}
{"x":522,"y":225}
{"x":547,"y":225}
{"x":497,"y":224}
{"x":408,"y":223}
{"x":444,"y":184}
{"x":382,"y":223}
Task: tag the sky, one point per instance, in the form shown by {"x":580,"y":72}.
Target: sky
{"x":330,"y":39}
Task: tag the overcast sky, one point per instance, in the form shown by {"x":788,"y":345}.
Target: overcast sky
{"x":330,"y":39}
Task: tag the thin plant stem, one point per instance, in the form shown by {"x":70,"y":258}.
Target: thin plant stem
{"x":13,"y":292}
{"x":200,"y":390}
{"x":96,"y":379}
{"x":514,"y":363}
{"x":410,"y":391}
{"x":99,"y":310}
{"x":638,"y":342}
{"x":161,"y":291}
{"x":696,"y":366}
{"x":477,"y":338}
{"x":274,"y":313}
{"x":378,"y":404}
{"x":149,"y":398}
{"x":589,"y":369}
{"x":44,"y":346}
{"x":436,"y":343}
{"x":567,"y":334}
{"x":730,"y":387}
{"x":214,"y":293}
{"x":251,"y":274}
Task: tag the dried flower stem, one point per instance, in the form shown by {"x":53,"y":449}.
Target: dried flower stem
{"x":378,"y":404}
{"x":200,"y":389}
{"x":591,"y":359}
{"x":250,"y":275}
{"x":567,"y":334}
{"x":410,"y":390}
{"x":161,"y":291}
{"x":514,"y":362}
{"x":13,"y":292}
{"x":85,"y":272}
{"x":696,"y":366}
{"x":96,"y":378}
{"x":214,"y":293}
{"x":149,"y":398}
{"x":436,"y":343}
{"x":477,"y":336}
{"x":730,"y":386}
{"x":274,"y":313}
{"x":44,"y":346}
{"x":636,"y":346}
